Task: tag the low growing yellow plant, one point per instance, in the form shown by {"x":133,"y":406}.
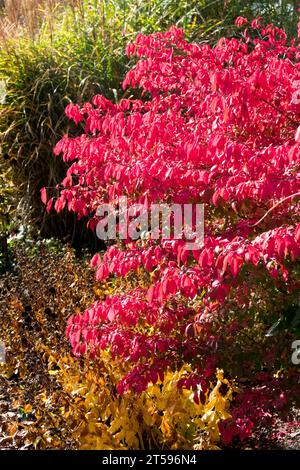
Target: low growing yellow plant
{"x":162,"y":417}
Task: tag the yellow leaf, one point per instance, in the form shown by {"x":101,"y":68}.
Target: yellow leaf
{"x":27,"y":408}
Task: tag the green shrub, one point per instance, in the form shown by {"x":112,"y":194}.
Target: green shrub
{"x":42,"y":76}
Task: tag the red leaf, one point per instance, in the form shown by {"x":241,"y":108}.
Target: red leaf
{"x":44,"y":195}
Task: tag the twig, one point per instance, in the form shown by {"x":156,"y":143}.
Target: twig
{"x":274,"y":207}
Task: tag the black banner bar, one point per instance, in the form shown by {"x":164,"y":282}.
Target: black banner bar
{"x":148,"y":459}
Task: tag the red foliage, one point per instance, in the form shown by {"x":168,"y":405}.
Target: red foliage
{"x":214,"y":125}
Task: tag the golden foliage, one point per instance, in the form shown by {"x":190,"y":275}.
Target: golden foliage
{"x":162,"y":417}
{"x":45,"y":285}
